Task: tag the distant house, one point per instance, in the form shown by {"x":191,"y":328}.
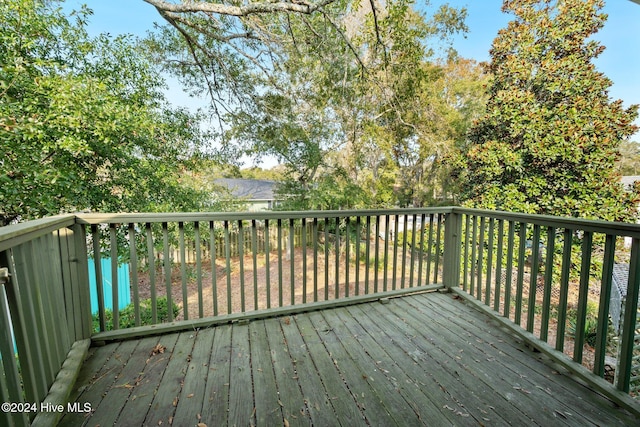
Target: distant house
{"x":629,"y":180}
{"x":257,"y":194}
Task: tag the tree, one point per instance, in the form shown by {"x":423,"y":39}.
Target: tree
{"x":550,"y":137}
{"x":83,"y":122}
{"x":344,"y":93}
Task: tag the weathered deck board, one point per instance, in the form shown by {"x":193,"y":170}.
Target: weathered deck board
{"x":216,"y":394}
{"x":195,"y":380}
{"x":418,"y":360}
{"x":268,"y":412}
{"x":530,"y":375}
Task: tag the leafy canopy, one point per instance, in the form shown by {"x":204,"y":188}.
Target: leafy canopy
{"x":83,"y":121}
{"x":550,"y":138}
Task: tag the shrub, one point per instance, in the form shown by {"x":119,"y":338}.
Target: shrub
{"x":127,"y":317}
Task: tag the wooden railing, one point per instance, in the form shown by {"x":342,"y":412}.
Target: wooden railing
{"x":554,"y":277}
{"x":46,"y":329}
{"x":549,"y":279}
{"x":200,"y":266}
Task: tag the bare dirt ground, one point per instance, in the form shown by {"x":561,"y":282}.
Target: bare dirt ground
{"x":247,"y":284}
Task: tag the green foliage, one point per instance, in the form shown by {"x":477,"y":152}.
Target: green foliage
{"x":83,"y":121}
{"x":550,"y":137}
{"x":351,"y":102}
{"x":590,"y":324}
{"x":127,"y":317}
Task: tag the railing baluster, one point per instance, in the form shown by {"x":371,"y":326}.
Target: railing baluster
{"x":587,"y":248}
{"x":292,"y":270}
{"x":303,"y":243}
{"x":196,"y":235}
{"x":548,"y":278}
{"x":267,"y":264}
{"x":421,"y":249}
{"x":498,"y":287}
{"x":314,"y":234}
{"x":151,"y":263}
{"x":436,"y":268}
{"x":430,"y":249}
{"x":326,"y":258}
{"x":254,"y":250}
{"x":227,"y":259}
{"x":97,"y":259}
{"x":133,"y":262}
{"x":487,"y":293}
{"x":385,"y":261}
{"x":395,"y":252}
{"x":183,"y":271}
{"x":509,"y":269}
{"x":474,"y":260}
{"x":367,"y":268}
{"x":404,"y":251}
{"x":337,"y":265}
{"x":376,"y":256}
{"x":357,"y":269}
{"x":480,"y":262}
{"x":564,"y":287}
{"x":603,"y":310}
{"x":346,"y":256}
{"x":413,"y":249}
{"x":214,"y":272}
{"x":114,"y":275}
{"x":241,"y":262}
{"x":630,"y":319}
{"x":466,"y":254}
{"x":522,"y":236}
{"x":167,"y":270}
{"x":533,"y":282}
{"x":280,"y":296}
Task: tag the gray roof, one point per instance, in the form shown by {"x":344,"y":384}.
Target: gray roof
{"x":250,"y":189}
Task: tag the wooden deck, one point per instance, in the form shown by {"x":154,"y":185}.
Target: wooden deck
{"x":424,"y":359}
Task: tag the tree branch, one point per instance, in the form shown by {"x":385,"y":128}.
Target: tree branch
{"x":249,"y":9}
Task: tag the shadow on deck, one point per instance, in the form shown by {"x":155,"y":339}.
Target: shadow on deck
{"x":425,"y":359}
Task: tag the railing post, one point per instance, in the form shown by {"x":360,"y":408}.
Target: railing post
{"x":81,"y":274}
{"x":452,"y":249}
{"x":629,"y":321}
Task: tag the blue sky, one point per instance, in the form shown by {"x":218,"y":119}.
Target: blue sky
{"x":621,"y":36}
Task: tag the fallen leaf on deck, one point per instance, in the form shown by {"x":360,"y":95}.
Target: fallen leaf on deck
{"x":158,"y":349}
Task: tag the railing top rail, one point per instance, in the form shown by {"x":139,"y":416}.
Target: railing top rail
{"x":596,"y":226}
{"x":19,"y":233}
{"x":101,"y":218}
{"x":13,"y":235}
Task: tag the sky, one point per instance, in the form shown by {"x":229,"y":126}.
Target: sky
{"x":621,"y":36}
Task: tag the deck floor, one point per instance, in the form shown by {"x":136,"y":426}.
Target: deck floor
{"x":418,"y":360}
